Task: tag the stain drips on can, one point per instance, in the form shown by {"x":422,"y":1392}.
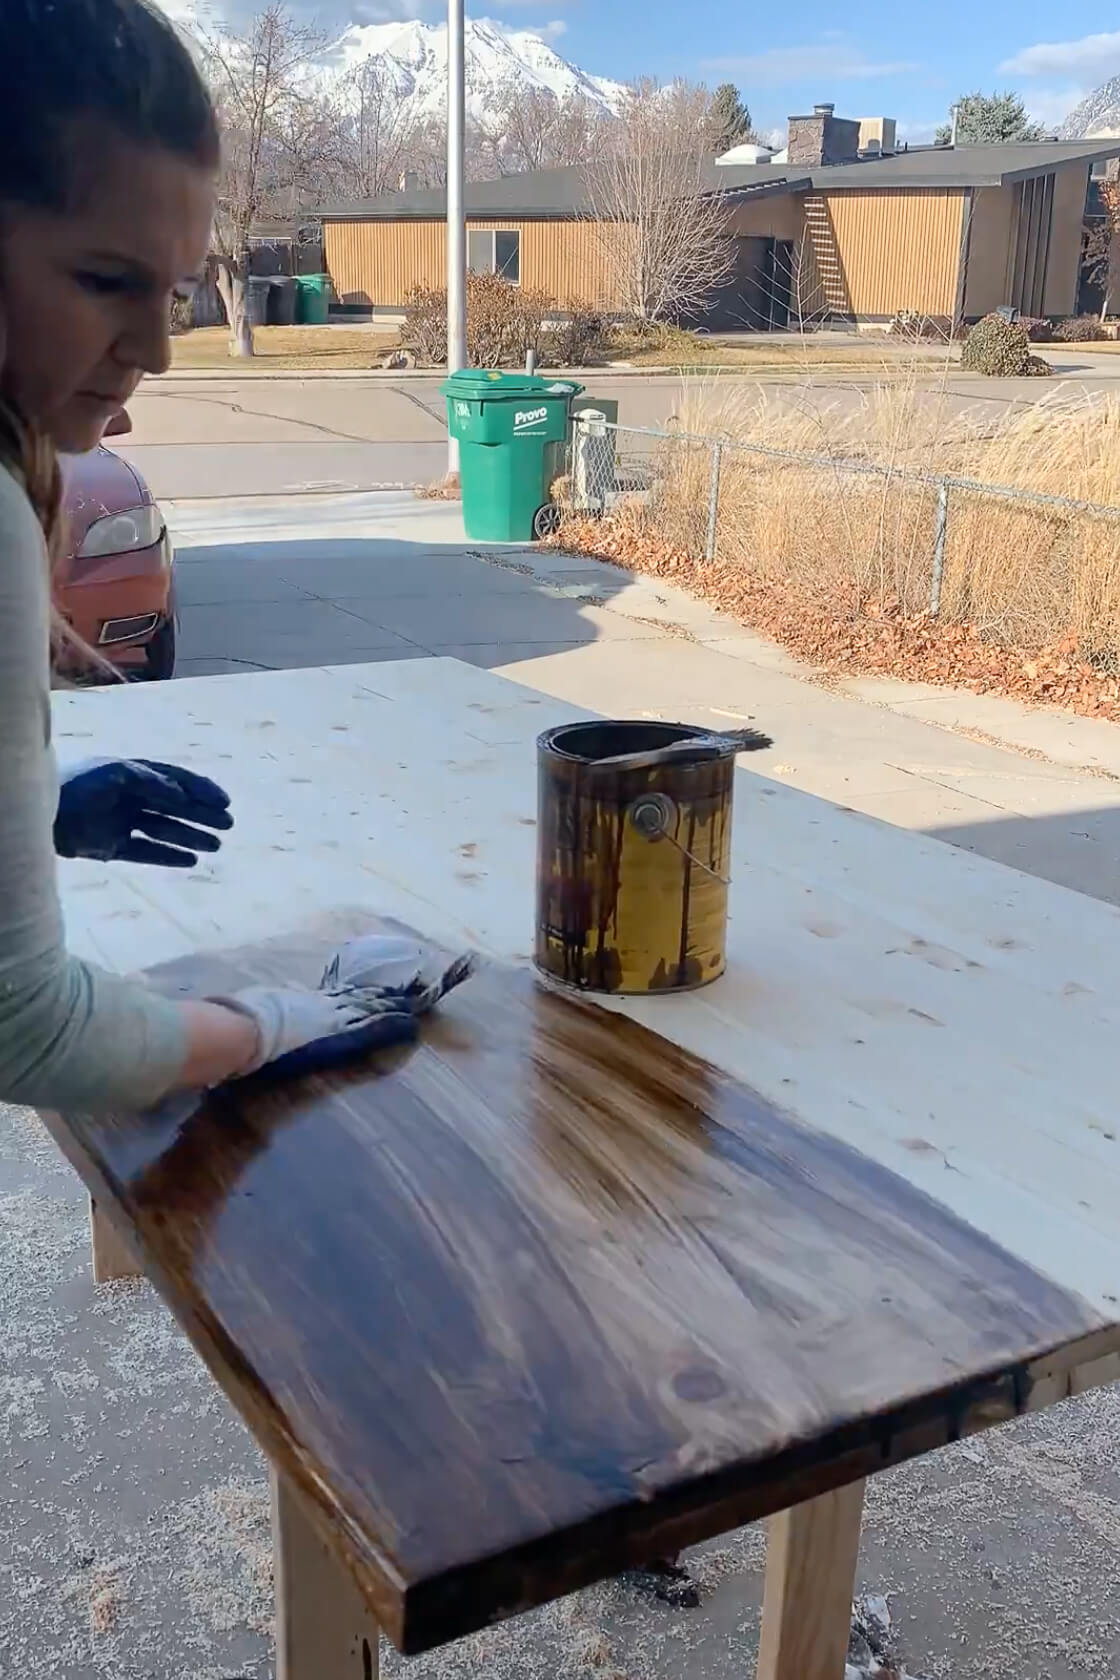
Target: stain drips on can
{"x":633,"y":859}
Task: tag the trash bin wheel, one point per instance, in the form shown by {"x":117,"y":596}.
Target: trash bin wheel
{"x":546,"y":520}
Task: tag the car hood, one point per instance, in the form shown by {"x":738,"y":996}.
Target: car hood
{"x":96,"y":484}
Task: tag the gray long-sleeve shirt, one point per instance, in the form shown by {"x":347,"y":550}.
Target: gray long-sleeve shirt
{"x":71,"y":1036}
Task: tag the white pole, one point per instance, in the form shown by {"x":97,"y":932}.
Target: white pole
{"x":955,"y":114}
{"x":456,"y":223}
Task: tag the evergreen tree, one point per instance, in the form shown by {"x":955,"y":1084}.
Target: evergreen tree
{"x":729,"y":118}
{"x":990,"y":119}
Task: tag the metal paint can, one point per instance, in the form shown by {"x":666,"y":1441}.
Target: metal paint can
{"x":633,"y":855}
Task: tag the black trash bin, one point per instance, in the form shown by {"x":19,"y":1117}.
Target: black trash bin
{"x":256,"y":299}
{"x":282,"y":301}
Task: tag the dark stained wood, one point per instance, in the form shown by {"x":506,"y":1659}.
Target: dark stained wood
{"x":545,"y":1296}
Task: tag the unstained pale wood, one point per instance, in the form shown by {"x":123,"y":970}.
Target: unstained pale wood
{"x":546,"y":1296}
{"x":110,"y":1254}
{"x":324,"y":1630}
{"x":811,"y":1556}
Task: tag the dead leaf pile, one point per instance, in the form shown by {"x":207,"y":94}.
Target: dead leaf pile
{"x":842,"y":635}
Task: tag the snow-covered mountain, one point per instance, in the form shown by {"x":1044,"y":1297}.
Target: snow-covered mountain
{"x":1097,"y":117}
{"x":413,"y":57}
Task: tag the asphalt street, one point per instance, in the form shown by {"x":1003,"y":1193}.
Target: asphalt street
{"x":264,"y":435}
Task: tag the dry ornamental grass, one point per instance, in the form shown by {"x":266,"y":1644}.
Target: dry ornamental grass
{"x":839,"y":565}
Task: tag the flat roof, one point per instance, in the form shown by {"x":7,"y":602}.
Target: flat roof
{"x":548,"y":194}
{"x":964,"y":166}
{"x":543,"y":194}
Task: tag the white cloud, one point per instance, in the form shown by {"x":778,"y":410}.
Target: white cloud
{"x":1092,"y":59}
{"x":1051,"y":106}
{"x":552,"y":31}
{"x":826,"y":60}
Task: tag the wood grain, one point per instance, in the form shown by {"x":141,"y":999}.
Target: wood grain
{"x":811,"y":1556}
{"x":546,"y":1296}
{"x":110,"y":1256}
{"x":323,"y":1629}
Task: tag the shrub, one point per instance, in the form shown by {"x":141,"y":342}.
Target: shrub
{"x":424,"y":331}
{"x":576,"y":338}
{"x":1078,"y":329}
{"x":998,"y":348}
{"x":503,"y":322}
{"x":1037,"y":328}
{"x":914,"y":325}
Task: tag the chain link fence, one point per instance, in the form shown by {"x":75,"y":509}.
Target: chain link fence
{"x":609,"y":464}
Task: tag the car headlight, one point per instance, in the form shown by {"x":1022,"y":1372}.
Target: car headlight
{"x":117,"y":533}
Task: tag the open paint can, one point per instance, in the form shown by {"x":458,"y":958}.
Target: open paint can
{"x":634,"y":836}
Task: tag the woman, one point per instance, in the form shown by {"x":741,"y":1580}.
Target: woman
{"x":108,"y":164}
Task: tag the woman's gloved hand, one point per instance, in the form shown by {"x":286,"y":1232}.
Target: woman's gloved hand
{"x":398,"y":967}
{"x":302,"y":1032}
{"x":138,"y":811}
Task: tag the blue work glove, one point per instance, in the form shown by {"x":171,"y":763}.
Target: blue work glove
{"x":301,"y":1031}
{"x":138,"y":811}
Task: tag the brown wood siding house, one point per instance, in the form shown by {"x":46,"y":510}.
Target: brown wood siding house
{"x":948,"y":232}
{"x":379,"y":262}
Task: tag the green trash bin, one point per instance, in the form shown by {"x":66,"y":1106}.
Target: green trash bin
{"x":512,"y":430}
{"x":313,"y":299}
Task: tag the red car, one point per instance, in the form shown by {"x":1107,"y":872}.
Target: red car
{"x":115,"y":584}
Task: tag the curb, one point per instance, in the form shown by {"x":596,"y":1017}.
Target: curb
{"x":395,"y":375}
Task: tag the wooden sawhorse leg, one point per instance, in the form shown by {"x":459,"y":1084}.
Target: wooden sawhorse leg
{"x":323,"y":1628}
{"x":112,"y":1258}
{"x":811,"y":1555}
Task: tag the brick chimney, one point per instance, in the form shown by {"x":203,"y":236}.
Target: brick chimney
{"x":822,"y":138}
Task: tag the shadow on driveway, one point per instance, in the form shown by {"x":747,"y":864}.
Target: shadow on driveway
{"x":266,"y":606}
{"x":1077,"y":849}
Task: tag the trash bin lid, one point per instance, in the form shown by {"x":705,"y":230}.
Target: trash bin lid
{"x":484,"y":385}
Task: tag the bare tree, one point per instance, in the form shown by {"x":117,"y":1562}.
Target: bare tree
{"x":1104,"y":252}
{"x":663,"y":231}
{"x":274,"y":128}
{"x":378,"y":135}
{"x":530,"y":129}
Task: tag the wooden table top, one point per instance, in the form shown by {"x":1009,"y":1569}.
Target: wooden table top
{"x":549,"y":1294}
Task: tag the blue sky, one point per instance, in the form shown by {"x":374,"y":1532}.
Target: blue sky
{"x":888,"y":59}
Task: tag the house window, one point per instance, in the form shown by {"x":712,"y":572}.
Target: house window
{"x":499,"y":253}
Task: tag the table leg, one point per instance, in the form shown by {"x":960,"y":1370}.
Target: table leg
{"x":811,"y":1554}
{"x":112,"y":1258}
{"x":323,"y":1629}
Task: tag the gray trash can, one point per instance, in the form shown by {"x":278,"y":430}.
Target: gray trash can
{"x":256,"y":300}
{"x":282,"y":301}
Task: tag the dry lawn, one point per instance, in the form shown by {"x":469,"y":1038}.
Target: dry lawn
{"x":282,"y":349}
{"x":326,"y":348}
{"x":839,"y":565}
{"x":813,"y":354}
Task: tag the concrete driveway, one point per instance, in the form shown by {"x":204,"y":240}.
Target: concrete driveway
{"x":264,"y":586}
